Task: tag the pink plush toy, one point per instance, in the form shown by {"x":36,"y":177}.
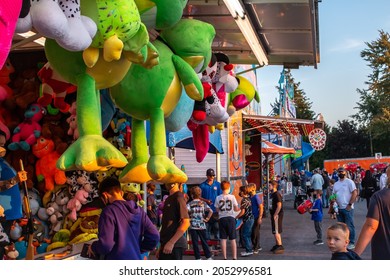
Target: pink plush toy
{"x":26,"y":133}
{"x":54,"y":87}
{"x":9,"y":14}
{"x":75,"y":203}
{"x":72,"y":121}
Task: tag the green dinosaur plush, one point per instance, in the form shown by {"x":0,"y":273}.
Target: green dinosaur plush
{"x":160,"y":14}
{"x":153,"y":94}
{"x":90,"y":152}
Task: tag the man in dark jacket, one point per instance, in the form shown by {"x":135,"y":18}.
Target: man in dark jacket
{"x":125,"y":231}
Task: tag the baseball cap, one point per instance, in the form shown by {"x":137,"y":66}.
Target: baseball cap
{"x":210,"y":172}
{"x":341,"y":170}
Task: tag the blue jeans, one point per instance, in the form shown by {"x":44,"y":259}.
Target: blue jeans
{"x":346,"y":217}
{"x":195,"y":236}
{"x":325,"y":201}
{"x":246,"y":234}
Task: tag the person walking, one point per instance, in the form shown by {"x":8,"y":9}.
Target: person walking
{"x":124,"y":229}
{"x":175,"y":222}
{"x":226,"y":205}
{"x":346,"y":194}
{"x":295,"y":181}
{"x":211,"y":188}
{"x":376,"y":226}
{"x":316,"y":181}
{"x":197,"y":210}
{"x":276,"y":215}
{"x":257,"y":211}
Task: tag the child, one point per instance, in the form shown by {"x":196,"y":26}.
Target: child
{"x":257,"y":211}
{"x":333,"y":207}
{"x":337,"y":238}
{"x":316,"y":216}
{"x":226,"y":204}
{"x":197,"y":211}
{"x":247,"y":218}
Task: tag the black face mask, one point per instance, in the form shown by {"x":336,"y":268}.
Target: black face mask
{"x":341,"y":176}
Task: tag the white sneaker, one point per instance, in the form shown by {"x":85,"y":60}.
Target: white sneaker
{"x":351,"y":246}
{"x":246,"y":254}
{"x":209,"y":259}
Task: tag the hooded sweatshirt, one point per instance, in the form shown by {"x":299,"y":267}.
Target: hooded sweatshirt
{"x":349,"y":255}
{"x":125,"y":232}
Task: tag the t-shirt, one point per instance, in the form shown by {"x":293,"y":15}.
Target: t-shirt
{"x":175,"y":209}
{"x":152,"y":214}
{"x":379,"y":209}
{"x":246,"y":204}
{"x":276,"y":197}
{"x":224,"y":204}
{"x":317,"y":215}
{"x":256,"y":201}
{"x":196,"y":210}
{"x":211,"y":192}
{"x":343,"y":190}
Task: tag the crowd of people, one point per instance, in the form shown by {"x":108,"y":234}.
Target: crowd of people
{"x":210,"y":211}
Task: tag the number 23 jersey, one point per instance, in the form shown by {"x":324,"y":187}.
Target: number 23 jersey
{"x":224,"y":204}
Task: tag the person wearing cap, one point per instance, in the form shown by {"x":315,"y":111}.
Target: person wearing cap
{"x":211,"y":188}
{"x":346,"y":193}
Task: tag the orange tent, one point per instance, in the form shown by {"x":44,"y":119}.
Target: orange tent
{"x":271,"y":148}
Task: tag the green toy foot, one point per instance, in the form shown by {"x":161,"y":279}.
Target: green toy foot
{"x":135,"y":172}
{"x":162,"y":169}
{"x":91,"y":153}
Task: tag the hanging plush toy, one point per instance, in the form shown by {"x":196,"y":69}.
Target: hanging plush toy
{"x":9,"y":13}
{"x":189,"y":44}
{"x":54,"y":87}
{"x":26,"y":133}
{"x":59,"y":20}
{"x":243,"y":95}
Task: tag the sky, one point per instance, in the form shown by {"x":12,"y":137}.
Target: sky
{"x":344,"y":28}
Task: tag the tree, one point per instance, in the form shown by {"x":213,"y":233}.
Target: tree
{"x":374,"y":102}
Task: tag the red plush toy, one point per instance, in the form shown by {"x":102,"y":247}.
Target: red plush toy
{"x":45,"y":167}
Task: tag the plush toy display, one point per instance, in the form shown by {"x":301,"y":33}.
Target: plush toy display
{"x":189,"y":44}
{"x":243,"y":95}
{"x":57,"y":209}
{"x":26,"y":133}
{"x":61,"y":21}
{"x":45,"y":167}
{"x":54,"y":87}
{"x":9,"y":13}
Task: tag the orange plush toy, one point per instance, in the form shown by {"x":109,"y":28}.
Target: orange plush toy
{"x":45,"y":167}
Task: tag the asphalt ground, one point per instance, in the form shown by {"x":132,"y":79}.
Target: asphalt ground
{"x":298,"y":236}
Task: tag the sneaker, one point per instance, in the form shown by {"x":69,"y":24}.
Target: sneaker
{"x":274,"y":248}
{"x":256,"y":251}
{"x":279,"y":250}
{"x":351,"y":246}
{"x":209,"y":259}
{"x":318,"y":242}
{"x":246,"y":254}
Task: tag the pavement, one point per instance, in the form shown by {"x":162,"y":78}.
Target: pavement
{"x":298,"y":236}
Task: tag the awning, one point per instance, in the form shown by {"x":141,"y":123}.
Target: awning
{"x":280,"y":126}
{"x":271,"y":148}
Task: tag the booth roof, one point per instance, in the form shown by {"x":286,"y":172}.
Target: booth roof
{"x":271,"y":148}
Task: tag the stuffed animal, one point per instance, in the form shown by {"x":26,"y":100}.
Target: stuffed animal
{"x":188,"y":40}
{"x":72,"y":121}
{"x":45,"y":167}
{"x":132,"y":191}
{"x":5,"y":72}
{"x":78,"y":179}
{"x":10,"y":252}
{"x":119,"y":29}
{"x":27,"y":132}
{"x":76,"y":202}
{"x":61,"y":21}
{"x":243,"y":95}
{"x":54,"y":87}
{"x":57,"y":209}
{"x":9,"y":13}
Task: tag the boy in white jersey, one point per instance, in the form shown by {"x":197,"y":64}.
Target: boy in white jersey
{"x":226,"y":206}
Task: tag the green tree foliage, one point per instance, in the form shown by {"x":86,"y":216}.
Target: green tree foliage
{"x":374,"y":103}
